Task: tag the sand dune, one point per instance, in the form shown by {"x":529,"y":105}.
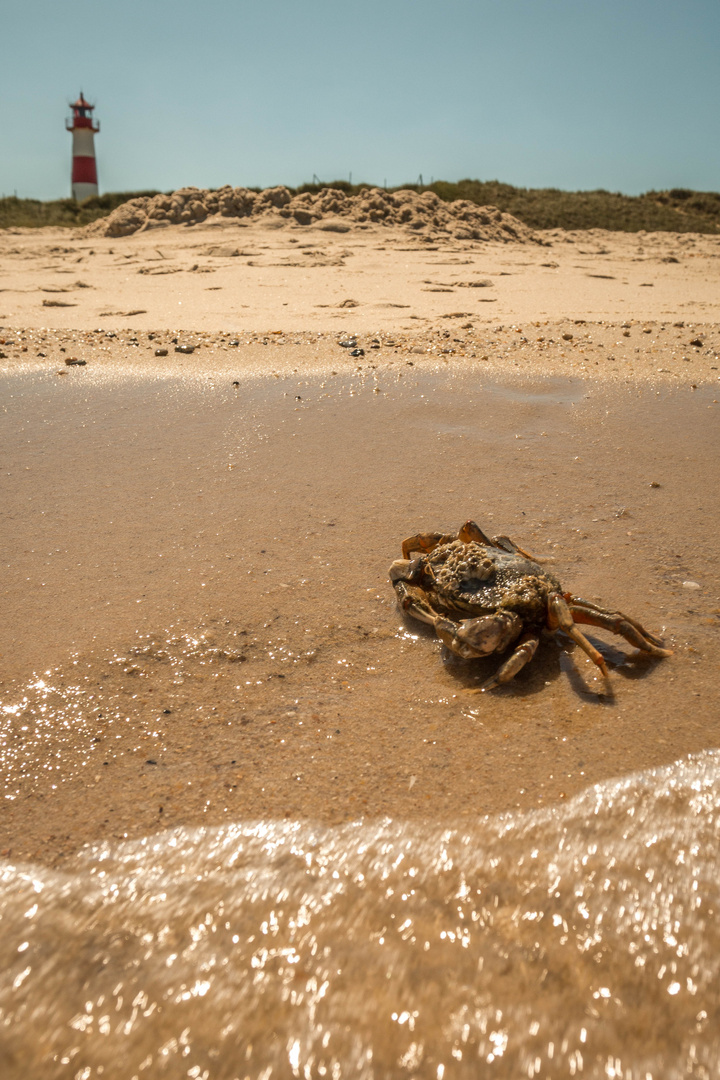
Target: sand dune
{"x":330,"y":210}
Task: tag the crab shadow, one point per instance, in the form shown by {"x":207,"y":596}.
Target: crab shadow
{"x":632,"y":666}
{"x":557,"y":657}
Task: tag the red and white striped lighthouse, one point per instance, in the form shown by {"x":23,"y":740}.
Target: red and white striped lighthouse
{"x":84,"y":169}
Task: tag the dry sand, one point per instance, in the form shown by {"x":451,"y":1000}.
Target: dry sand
{"x":198,"y":623}
{"x":241,"y":274}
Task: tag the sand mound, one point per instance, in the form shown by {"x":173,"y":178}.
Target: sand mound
{"x":330,"y":209}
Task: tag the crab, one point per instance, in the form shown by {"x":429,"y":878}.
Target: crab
{"x":484,"y":594}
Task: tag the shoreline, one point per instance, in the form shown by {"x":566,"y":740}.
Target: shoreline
{"x":676,"y":353}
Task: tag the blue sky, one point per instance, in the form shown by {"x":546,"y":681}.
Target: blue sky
{"x":575,"y":94}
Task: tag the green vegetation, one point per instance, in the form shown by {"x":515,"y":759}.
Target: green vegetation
{"x":31,"y":213}
{"x":678,"y":210}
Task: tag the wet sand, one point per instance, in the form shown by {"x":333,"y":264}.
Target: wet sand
{"x":199,"y":625}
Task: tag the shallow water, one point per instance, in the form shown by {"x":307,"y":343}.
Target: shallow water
{"x":577,"y":941}
{"x":134,"y":502}
{"x":198,"y":622}
{"x":200,"y":632}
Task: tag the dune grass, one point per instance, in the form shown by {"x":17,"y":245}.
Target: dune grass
{"x":677,"y":210}
{"x":32,"y":213}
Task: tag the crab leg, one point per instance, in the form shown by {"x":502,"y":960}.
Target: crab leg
{"x":620,"y":624}
{"x":506,"y":544}
{"x":471,"y":532}
{"x":425,"y":542}
{"x":578,"y":602}
{"x":560,"y":617}
{"x":521,"y":654}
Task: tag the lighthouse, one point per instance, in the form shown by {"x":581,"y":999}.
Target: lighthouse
{"x":84,"y":169}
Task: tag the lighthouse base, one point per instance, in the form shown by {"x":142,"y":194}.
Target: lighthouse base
{"x":83,"y":191}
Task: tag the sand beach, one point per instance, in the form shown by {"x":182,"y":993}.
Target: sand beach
{"x":215,"y":436}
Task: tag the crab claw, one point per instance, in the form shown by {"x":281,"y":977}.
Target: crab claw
{"x":402,"y":570}
{"x":479,"y":637}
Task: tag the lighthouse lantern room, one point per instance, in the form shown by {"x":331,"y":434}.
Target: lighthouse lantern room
{"x":84,"y":168}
